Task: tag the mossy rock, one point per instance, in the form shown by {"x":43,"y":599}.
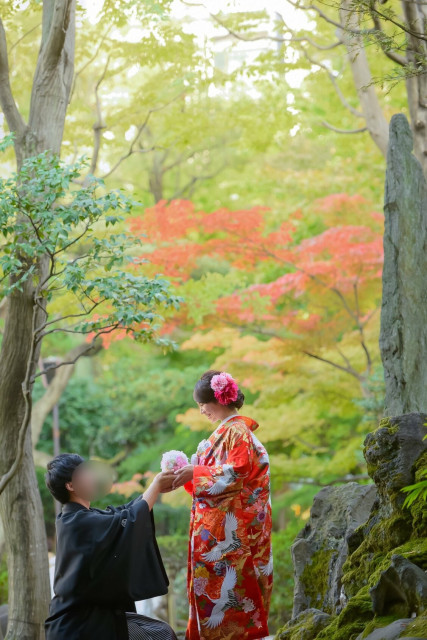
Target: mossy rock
{"x":383,"y":538}
{"x":417,"y":628}
{"x":306,"y":626}
{"x":390,"y":453}
{"x":370,"y":568}
{"x":352,"y":620}
{"x":377,"y":623}
{"x":315,"y":577}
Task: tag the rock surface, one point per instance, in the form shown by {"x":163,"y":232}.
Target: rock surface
{"x":390,"y":453}
{"x":402,"y":584}
{"x":368,"y":576}
{"x":390,"y":632}
{"x":321,"y":548}
{"x":403,"y":337}
{"x":305,"y":626}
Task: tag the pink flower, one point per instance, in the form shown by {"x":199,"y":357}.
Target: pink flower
{"x":225,"y":388}
{"x":173,"y":460}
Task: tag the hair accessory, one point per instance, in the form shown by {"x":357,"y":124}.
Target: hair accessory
{"x":225,"y":388}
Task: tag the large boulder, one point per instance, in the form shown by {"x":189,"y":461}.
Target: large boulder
{"x":389,"y":632}
{"x":401,"y":587}
{"x":403,"y":336}
{"x":390,"y":453}
{"x":394,"y":453}
{"x":362,"y":556}
{"x":305,"y":626}
{"x":321,"y":548}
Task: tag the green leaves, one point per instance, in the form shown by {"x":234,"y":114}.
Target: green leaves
{"x":417,"y":491}
{"x":58,"y":230}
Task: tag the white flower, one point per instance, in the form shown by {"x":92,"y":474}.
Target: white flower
{"x":248,"y":605}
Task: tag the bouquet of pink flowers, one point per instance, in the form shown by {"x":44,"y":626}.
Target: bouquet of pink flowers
{"x":173,"y":460}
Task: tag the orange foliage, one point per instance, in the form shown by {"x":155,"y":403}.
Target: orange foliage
{"x":335,"y":266}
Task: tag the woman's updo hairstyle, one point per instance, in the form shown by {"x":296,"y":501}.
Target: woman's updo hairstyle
{"x":220,"y":387}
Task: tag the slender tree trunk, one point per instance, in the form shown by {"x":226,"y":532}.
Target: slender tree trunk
{"x":415,"y":14}
{"x":374,"y":117}
{"x":156,"y":177}
{"x":20,"y":504}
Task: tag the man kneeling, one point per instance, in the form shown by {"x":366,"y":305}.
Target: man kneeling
{"x":105,"y":559}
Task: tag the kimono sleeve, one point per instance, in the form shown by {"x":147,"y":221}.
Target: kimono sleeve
{"x":227,"y":478}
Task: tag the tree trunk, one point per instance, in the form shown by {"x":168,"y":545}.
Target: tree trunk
{"x":374,"y":117}
{"x":20,"y":503}
{"x":156,"y":177}
{"x":416,"y":86}
{"x":57,"y":386}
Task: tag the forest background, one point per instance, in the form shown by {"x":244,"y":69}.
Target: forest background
{"x":258,"y":197}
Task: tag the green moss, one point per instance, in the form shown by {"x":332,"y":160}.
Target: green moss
{"x":297,"y":632}
{"x":352,"y":620}
{"x":315,"y":578}
{"x":289,"y":632}
{"x":378,"y":623}
{"x":382,"y":539}
{"x":417,"y":628}
{"x":415,"y":550}
{"x":386,"y":423}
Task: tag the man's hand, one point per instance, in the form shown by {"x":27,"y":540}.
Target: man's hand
{"x":162,"y":483}
{"x":165,"y":481}
{"x":183,"y":476}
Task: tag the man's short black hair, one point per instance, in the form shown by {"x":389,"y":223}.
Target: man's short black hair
{"x":59,"y":472}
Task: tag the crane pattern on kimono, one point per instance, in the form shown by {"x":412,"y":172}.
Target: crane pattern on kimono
{"x":230,"y":543}
{"x":226,"y":600}
{"x":229,"y":476}
{"x":267,"y":569}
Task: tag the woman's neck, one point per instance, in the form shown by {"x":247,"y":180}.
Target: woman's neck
{"x":229,"y":415}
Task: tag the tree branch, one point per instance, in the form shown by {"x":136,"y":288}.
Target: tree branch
{"x":281,"y":39}
{"x":13,"y":117}
{"x":332,"y":78}
{"x":138,"y":134}
{"x":190,"y":184}
{"x":99,"y":125}
{"x":57,"y":386}
{"x":337,"y":130}
{"x":89,"y":62}
{"x":347,"y":369}
{"x":392,"y":55}
{"x":15,"y":44}
{"x":312,"y":7}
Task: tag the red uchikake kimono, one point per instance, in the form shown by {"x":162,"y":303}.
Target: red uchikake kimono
{"x":230,"y":568}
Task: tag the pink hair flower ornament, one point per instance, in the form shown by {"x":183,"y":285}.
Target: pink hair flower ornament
{"x":225,"y":388}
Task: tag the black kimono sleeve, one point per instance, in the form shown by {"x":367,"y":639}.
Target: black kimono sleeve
{"x":106,"y":559}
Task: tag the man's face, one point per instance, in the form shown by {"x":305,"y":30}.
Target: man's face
{"x":90,"y":481}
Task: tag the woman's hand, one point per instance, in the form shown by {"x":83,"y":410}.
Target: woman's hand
{"x":183,"y":476}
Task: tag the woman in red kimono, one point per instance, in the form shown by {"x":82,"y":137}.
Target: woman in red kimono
{"x":230,"y":569}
